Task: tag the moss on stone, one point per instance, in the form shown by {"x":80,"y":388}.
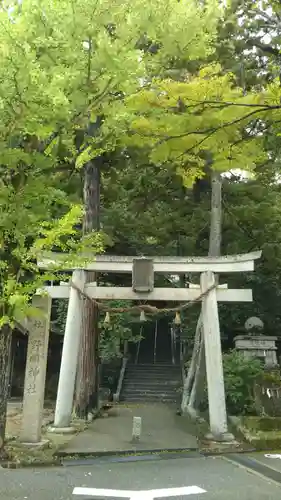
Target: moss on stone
{"x":262,"y":423}
{"x":21,"y":455}
{"x":263,"y":433}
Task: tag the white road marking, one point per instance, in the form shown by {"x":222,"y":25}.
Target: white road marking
{"x":141,"y":494}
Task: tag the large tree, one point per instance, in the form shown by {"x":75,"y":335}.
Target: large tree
{"x":147,"y":210}
{"x":65,"y":67}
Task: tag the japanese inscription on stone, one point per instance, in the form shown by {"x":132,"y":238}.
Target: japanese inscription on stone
{"x":34,"y":354}
{"x":260,"y":343}
{"x":136,"y":432}
{"x":35,"y":372}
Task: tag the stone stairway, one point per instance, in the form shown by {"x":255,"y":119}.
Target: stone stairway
{"x":151,"y":383}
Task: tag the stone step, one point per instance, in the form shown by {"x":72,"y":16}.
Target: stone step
{"x":148,"y":392}
{"x":148,"y":399}
{"x":153,"y":373}
{"x":156,"y":375}
{"x":154,"y":368}
{"x":152,"y":380}
{"x":152,"y":376}
{"x":150,"y":388}
{"x":150,"y":370}
{"x":136,"y":368}
{"x":125,"y":395}
{"x":153,"y":383}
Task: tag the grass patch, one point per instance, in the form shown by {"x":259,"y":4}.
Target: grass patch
{"x":264,"y":433}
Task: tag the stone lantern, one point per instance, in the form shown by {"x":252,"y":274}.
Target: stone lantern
{"x":256,"y":345}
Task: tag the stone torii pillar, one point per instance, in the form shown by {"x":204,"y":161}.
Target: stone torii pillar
{"x":213,"y":356}
{"x":70,"y":351}
{"x":35,"y":371}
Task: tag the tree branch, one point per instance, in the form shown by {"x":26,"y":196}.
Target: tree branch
{"x":209,"y":132}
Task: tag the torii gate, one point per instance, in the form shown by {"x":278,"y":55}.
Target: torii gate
{"x":143,"y":270}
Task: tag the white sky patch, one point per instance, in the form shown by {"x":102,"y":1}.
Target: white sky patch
{"x":243,"y":174}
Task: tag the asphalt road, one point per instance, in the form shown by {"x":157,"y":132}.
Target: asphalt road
{"x":219,"y":477}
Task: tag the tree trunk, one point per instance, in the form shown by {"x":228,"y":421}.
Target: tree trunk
{"x":87,"y":372}
{"x":5,"y":368}
{"x":191,"y":400}
{"x":214,"y":251}
{"x":216,"y":216}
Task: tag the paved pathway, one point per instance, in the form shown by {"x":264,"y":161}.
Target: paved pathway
{"x":162,"y":429}
{"x":220,"y":478}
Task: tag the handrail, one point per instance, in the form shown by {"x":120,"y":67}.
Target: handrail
{"x":172,"y":334}
{"x":116,"y":396}
{"x":139,"y":343}
{"x":183,"y":374}
{"x":155,"y":341}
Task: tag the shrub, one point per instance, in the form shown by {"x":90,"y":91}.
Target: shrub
{"x":240,"y":374}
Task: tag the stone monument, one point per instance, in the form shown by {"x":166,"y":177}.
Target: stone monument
{"x":257,"y":345}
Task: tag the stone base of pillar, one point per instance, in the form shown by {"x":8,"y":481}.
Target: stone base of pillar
{"x":62,"y":430}
{"x":40,"y":445}
{"x":225,"y":437}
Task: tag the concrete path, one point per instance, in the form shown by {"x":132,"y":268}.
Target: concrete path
{"x":162,"y":429}
{"x":220,"y":478}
